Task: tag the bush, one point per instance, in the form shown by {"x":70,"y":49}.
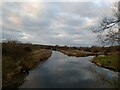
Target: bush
{"x":28,"y":49}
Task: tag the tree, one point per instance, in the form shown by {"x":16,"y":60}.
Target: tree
{"x":109,"y":28}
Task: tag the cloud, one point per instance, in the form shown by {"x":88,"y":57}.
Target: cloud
{"x":32,"y":10}
{"x":62,"y":23}
{"x":15,"y":20}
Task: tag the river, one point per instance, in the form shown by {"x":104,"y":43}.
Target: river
{"x":0,"y":67}
{"x":62,"y":71}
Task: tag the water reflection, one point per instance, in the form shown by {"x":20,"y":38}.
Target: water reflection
{"x":0,"y":66}
{"x":61,"y":71}
{"x":109,"y":77}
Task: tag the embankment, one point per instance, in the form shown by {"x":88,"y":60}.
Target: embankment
{"x":15,"y":70}
{"x":109,"y":62}
{"x":77,"y":53}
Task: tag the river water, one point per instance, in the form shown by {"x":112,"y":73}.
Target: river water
{"x":62,"y":71}
{"x":0,"y":67}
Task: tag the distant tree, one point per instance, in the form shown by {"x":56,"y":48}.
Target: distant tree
{"x":109,"y":30}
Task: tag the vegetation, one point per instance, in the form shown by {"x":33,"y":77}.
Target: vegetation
{"x":108,"y":31}
{"x":77,"y":53}
{"x":18,"y":58}
{"x":110,"y":61}
{"x":88,"y":51}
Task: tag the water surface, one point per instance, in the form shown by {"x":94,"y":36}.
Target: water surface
{"x":62,"y":71}
{"x":0,"y":66}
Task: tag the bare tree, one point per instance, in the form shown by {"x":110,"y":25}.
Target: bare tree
{"x":109,"y":28}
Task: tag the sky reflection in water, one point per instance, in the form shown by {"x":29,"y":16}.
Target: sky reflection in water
{"x":61,"y":71}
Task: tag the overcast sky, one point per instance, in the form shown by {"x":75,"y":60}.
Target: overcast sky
{"x":61,"y":23}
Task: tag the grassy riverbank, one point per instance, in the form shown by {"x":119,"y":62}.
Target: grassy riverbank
{"x":110,"y":62}
{"x":17,"y":57}
{"x":78,"y":53}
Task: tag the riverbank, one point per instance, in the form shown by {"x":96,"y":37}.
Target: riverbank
{"x":17,"y":60}
{"x":78,"y":53}
{"x":110,"y":62}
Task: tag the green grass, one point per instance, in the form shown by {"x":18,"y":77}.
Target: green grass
{"x":110,"y":62}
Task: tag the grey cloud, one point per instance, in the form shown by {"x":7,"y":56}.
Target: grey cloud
{"x":88,"y":9}
{"x":53,"y":23}
{"x":6,"y":34}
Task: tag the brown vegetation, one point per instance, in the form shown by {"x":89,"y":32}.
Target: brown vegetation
{"x":77,"y":53}
{"x":88,"y":51}
{"x":18,"y":58}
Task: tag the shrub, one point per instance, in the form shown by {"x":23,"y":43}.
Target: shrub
{"x":28,"y":49}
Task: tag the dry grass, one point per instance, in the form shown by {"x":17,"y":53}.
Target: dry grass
{"x":42,"y":54}
{"x":77,"y":53}
{"x":16,"y":56}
